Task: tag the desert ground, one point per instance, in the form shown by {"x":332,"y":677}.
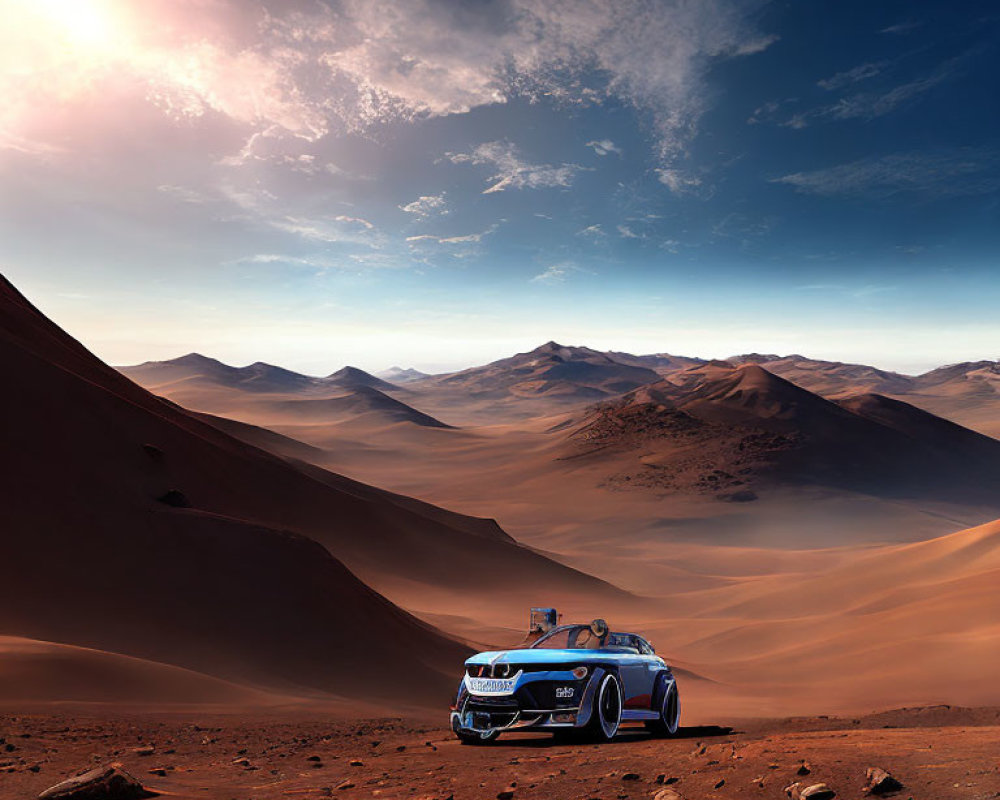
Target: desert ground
{"x":940,"y":752}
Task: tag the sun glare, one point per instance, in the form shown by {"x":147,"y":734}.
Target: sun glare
{"x":78,"y":23}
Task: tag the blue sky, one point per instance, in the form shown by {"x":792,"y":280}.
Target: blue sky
{"x":442,"y":183}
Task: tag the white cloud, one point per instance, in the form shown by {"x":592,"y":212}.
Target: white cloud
{"x":627,"y":233}
{"x":427,"y":205}
{"x":677,"y":181}
{"x":954,"y":172}
{"x":354,"y":221}
{"x":558,"y":273}
{"x":513,"y":172}
{"x":466,"y":238}
{"x":604,"y":147}
{"x":592,"y":230}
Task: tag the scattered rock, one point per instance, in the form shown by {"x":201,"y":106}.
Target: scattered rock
{"x":804,"y":769}
{"x":430,"y":745}
{"x":35,"y":768}
{"x":667,"y":794}
{"x":721,"y":783}
{"x":109,"y":782}
{"x":630,"y":776}
{"x":314,"y":758}
{"x":242,"y":762}
{"x":160,"y":772}
{"x":400,"y":748}
{"x":817,"y":791}
{"x":144,"y":750}
{"x":878,"y":781}
{"x":348,"y":784}
{"x":506,"y":794}
{"x":356,"y":762}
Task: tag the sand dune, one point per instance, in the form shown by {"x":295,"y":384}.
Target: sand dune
{"x":34,"y":673}
{"x":904,"y":624}
{"x":133,"y":527}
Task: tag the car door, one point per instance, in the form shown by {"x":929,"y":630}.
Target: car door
{"x":635,"y":674}
{"x":652,"y":666}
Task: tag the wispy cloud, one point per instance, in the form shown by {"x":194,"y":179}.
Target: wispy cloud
{"x":325,"y":229}
{"x":953,"y":172}
{"x":511,"y":171}
{"x":870,"y":105}
{"x":902,"y":27}
{"x":427,"y":205}
{"x":591,"y":230}
{"x":677,"y":181}
{"x":465,"y":238}
{"x":559,"y":273}
{"x":851,"y":76}
{"x":627,"y":233}
{"x":604,"y":147}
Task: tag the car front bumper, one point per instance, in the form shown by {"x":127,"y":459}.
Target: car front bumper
{"x":532,"y":703}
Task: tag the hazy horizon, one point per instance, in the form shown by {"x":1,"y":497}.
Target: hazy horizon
{"x":321,"y":371}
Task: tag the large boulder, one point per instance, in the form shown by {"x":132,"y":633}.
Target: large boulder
{"x":109,"y":782}
{"x":878,"y":781}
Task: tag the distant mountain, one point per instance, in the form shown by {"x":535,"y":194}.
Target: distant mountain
{"x":195,"y":368}
{"x":656,"y":361}
{"x":354,"y":378}
{"x":730,"y":430}
{"x":552,"y":371}
{"x":977,"y":374}
{"x":967,"y":393}
{"x":398,"y":375}
{"x":275,"y":395}
{"x":362,"y":402}
{"x":829,"y":378}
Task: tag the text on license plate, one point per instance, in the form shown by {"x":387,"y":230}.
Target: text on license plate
{"x":491,"y":685}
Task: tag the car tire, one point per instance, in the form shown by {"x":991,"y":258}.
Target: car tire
{"x":606,"y":715}
{"x":670,"y":711}
{"x":477,"y":739}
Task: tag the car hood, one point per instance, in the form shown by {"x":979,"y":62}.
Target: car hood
{"x":540,"y":656}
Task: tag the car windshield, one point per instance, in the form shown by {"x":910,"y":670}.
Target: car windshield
{"x":570,"y":637}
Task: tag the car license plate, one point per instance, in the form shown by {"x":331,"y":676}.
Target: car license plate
{"x":564,"y":692}
{"x":491,"y":685}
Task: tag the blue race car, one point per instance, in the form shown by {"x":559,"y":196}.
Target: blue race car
{"x":582,"y":679}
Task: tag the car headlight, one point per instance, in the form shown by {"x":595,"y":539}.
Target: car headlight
{"x":580,"y":672}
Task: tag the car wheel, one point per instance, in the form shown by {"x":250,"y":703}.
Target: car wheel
{"x":477,"y":738}
{"x":606,"y":715}
{"x":670,"y":712}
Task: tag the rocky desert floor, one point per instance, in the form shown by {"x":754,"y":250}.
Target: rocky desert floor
{"x":935,"y":752}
